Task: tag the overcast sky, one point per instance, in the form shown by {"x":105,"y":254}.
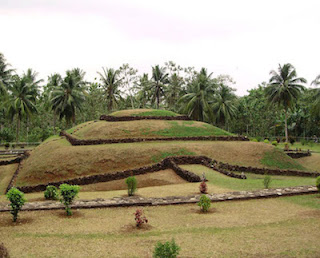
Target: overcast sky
{"x":245,"y":39}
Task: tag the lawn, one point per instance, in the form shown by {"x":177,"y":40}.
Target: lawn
{"x":257,"y":228}
{"x":6,"y":173}
{"x":253,"y":181}
{"x":144,"y":112}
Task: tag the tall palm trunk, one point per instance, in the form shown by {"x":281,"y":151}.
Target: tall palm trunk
{"x":286,"y":125}
{"x":18,"y":129}
{"x":158,"y":95}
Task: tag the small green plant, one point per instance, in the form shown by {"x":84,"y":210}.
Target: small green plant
{"x":166,"y":250}
{"x":17,"y":200}
{"x":303,"y":142}
{"x":267,"y":181}
{"x":6,"y":145}
{"x":51,"y":193}
{"x":275,"y":143}
{"x":131,"y":182}
{"x":258,"y":138}
{"x":318,"y":183}
{"x":254,"y":140}
{"x":68,"y":193}
{"x":266,"y":141}
{"x":204,"y":203}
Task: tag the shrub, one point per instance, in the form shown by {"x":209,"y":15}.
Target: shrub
{"x":303,"y":142}
{"x":139,"y":218}
{"x":275,"y":143}
{"x":258,"y":138}
{"x":17,"y":200}
{"x":68,"y":193}
{"x":254,"y":140}
{"x":203,"y":187}
{"x":51,"y":193}
{"x":292,"y":140}
{"x":267,"y":181}
{"x":3,"y":251}
{"x":204,"y":203}
{"x":278,"y":140}
{"x":7,"y":145}
{"x":318,"y":183}
{"x":13,"y":146}
{"x":166,"y":250}
{"x":131,"y":182}
{"x":266,"y":141}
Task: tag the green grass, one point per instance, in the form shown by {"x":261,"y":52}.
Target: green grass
{"x":253,"y":181}
{"x":162,"y":155}
{"x":178,"y":130}
{"x":310,"y":201}
{"x":309,"y":146}
{"x":275,"y":159}
{"x":156,"y":113}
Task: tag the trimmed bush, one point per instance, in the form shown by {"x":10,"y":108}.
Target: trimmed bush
{"x":204,"y":203}
{"x":254,"y":140}
{"x":259,"y":138}
{"x":51,"y":193}
{"x":292,"y":140}
{"x":7,"y":145}
{"x":68,"y":193}
{"x":17,"y":200}
{"x":131,"y":182}
{"x":203,"y":187}
{"x":274,"y":143}
{"x":266,"y":141}
{"x":267,"y":181}
{"x":166,"y":250}
{"x":3,"y":251}
{"x":139,"y":218}
{"x":318,"y":183}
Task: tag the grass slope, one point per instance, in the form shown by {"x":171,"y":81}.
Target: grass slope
{"x":6,"y":173}
{"x":57,"y":160}
{"x":144,"y":112}
{"x":145,"y":129}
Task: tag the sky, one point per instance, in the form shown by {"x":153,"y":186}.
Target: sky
{"x":245,"y":39}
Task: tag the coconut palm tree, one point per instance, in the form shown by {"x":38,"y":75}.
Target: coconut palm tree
{"x":21,"y":102}
{"x":68,"y":97}
{"x":284,"y":89}
{"x":316,"y":96}
{"x":223,"y":106}
{"x":143,"y":86}
{"x":173,"y":91}
{"x":111,"y":82}
{"x":160,"y":79}
{"x":199,"y":94}
{"x":5,"y":73}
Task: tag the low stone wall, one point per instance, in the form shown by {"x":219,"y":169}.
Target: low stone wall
{"x":75,"y":141}
{"x":269,"y":171}
{"x":297,"y":154}
{"x":11,"y":161}
{"x":132,"y":118}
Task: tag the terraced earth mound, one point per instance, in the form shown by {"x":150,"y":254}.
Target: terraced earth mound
{"x":56,"y":159}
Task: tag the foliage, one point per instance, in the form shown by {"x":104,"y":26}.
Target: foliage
{"x":318,"y":183}
{"x":17,"y":200}
{"x":3,"y":251}
{"x":204,"y":203}
{"x":140,"y":218}
{"x":132,"y":185}
{"x":166,"y":250}
{"x":266,"y":141}
{"x":51,"y":193}
{"x":158,"y":112}
{"x":267,"y":181}
{"x":67,"y":195}
{"x":160,"y":80}
{"x":274,"y":143}
{"x":203,"y":187}
{"x":276,"y":159}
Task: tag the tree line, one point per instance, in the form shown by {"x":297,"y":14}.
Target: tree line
{"x":32,"y":109}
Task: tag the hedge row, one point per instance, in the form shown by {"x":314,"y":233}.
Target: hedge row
{"x":75,"y":141}
{"x":132,"y":118}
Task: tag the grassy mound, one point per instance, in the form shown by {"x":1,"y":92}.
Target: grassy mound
{"x":6,"y":173}
{"x":144,"y":129}
{"x":144,"y":112}
{"x":57,"y":159}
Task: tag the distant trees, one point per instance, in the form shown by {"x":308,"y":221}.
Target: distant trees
{"x":159,"y":80}
{"x":284,"y":89}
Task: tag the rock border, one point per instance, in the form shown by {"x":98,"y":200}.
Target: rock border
{"x":132,"y":118}
{"x":75,"y":141}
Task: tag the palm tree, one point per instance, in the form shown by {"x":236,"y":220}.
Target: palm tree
{"x":284,"y":89}
{"x":68,"y":97}
{"x":316,"y":96}
{"x":223,"y":106}
{"x":5,"y":73}
{"x":143,"y":86}
{"x":160,"y":79}
{"x":111,"y":82}
{"x":199,"y":93}
{"x":21,"y":101}
{"x":174,"y":90}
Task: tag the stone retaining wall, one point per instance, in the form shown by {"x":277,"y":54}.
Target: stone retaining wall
{"x":75,"y":141}
{"x":132,"y":118}
{"x":269,"y":171}
{"x":298,"y":154}
{"x":11,"y":161}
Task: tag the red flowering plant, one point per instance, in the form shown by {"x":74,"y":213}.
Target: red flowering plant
{"x":139,"y":218}
{"x":203,"y":187}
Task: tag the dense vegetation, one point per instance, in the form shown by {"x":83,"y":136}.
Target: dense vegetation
{"x":31,"y":109}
